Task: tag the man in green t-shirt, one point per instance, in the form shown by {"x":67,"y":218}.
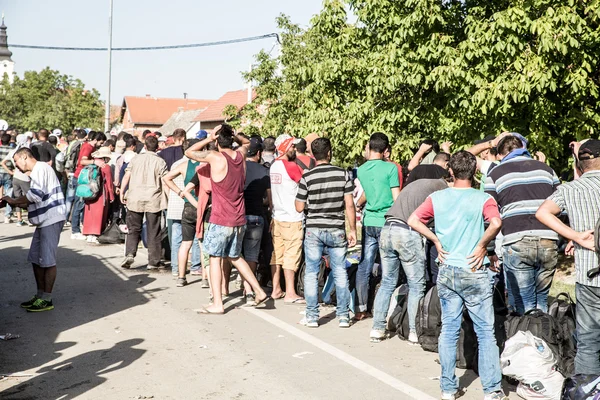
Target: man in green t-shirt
{"x":379,"y":180}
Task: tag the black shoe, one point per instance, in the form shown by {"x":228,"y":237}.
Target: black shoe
{"x":29,"y":302}
{"x":41,"y":305}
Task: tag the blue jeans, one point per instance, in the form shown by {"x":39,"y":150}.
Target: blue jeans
{"x":369,"y":253}
{"x":530,"y":265}
{"x":77,"y":215}
{"x":315,"y":241}
{"x":253,"y":237}
{"x":6,"y":183}
{"x":458,"y":287}
{"x":587,"y":360}
{"x":70,"y":197}
{"x":398,"y":243}
{"x":174,"y":227}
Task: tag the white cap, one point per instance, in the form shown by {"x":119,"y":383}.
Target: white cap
{"x":57,"y":132}
{"x":3,"y":125}
{"x":29,"y":134}
{"x":162,"y":139}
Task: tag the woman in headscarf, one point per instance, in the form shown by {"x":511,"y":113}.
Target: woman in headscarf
{"x":20,"y":180}
{"x":96,"y":211}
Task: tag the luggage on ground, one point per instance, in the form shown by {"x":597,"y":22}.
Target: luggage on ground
{"x":563,"y":310}
{"x":581,"y":387}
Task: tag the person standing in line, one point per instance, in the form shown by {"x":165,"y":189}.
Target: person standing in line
{"x":43,"y":151}
{"x":72,"y":155}
{"x":174,"y":153}
{"x":287,"y":229}
{"x":580,"y":200}
{"x":97,"y":210}
{"x":20,"y":181}
{"x":268,"y":153}
{"x":95,"y":141}
{"x":465,"y":278}
{"x":305,"y":161}
{"x":225,"y":233}
{"x":325,"y":192}
{"x":46,"y":210}
{"x":144,"y":195}
{"x":401,"y":245}
{"x":379,"y":180}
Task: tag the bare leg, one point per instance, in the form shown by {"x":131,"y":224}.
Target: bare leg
{"x":247,"y":287}
{"x":226,"y":265}
{"x":216,"y":277}
{"x":276,"y":279}
{"x":182,"y":257}
{"x":39,"y":274}
{"x":244,"y":270}
{"x":290,"y":285}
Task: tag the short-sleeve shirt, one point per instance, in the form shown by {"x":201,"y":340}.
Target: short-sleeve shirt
{"x":377,"y":178}
{"x":426,"y":171}
{"x":145,"y":193}
{"x":44,"y":151}
{"x":580,"y":199}
{"x":86,"y":151}
{"x":459,"y":215}
{"x":412,"y":196}
{"x":255,"y":187}
{"x":171,"y":154}
{"x":285,"y":176}
{"x":45,"y":194}
{"x":324,"y":188}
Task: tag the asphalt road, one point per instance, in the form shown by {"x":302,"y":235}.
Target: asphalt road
{"x":117,"y":334}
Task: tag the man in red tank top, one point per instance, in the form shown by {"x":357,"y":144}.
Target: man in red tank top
{"x":227,"y":224}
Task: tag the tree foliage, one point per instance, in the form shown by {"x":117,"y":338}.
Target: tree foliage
{"x":48,"y":99}
{"x":448,"y":69}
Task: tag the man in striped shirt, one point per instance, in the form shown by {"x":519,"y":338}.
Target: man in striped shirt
{"x":580,"y":200}
{"x":520,"y":185}
{"x":46,"y":210}
{"x":326,"y":192}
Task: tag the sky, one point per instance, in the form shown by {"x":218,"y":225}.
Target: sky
{"x":202,"y":73}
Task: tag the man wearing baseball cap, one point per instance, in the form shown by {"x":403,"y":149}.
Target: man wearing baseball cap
{"x":580,"y":200}
{"x":288,"y":233}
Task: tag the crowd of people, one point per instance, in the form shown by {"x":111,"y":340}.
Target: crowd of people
{"x":459,"y":221}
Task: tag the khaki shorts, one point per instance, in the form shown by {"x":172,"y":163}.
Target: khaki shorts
{"x":287,"y":244}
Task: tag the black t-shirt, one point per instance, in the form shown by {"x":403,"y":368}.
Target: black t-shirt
{"x":171,"y":155}
{"x":427,"y":171}
{"x":257,"y":183}
{"x":44,"y":151}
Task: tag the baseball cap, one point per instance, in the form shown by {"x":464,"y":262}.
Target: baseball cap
{"x":255,"y":146}
{"x":589,"y":150}
{"x":57,"y":132}
{"x":202,"y":134}
{"x":162,"y":139}
{"x":283,"y":143}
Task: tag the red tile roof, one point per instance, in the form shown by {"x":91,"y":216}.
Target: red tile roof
{"x":214,"y":112}
{"x":156,"y":111}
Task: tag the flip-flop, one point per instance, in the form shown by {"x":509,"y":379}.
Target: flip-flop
{"x":282,"y":296}
{"x":205,"y":311}
{"x":295,"y":301}
{"x":263,"y":301}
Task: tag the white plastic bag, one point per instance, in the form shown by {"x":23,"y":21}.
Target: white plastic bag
{"x":529,"y":360}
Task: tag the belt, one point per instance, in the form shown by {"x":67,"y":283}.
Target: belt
{"x":398,"y":223}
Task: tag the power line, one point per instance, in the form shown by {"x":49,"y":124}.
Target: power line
{"x":177,"y":46}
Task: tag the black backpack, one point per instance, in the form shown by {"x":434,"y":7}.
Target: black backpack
{"x":112,"y":234}
{"x":467,"y":348}
{"x":429,"y":320}
{"x":581,"y":387}
{"x":398,"y":320}
{"x":563,"y":310}
{"x":73,"y":156}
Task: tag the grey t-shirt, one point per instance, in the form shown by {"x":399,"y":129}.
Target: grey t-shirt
{"x":412,"y":196}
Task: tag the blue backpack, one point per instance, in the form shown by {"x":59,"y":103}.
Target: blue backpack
{"x":89,"y":183}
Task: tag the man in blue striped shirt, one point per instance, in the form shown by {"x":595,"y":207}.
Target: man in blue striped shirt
{"x":520,"y":185}
{"x":47,"y":211}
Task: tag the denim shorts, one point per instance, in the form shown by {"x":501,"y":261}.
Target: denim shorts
{"x":253,"y":237}
{"x":224,"y":241}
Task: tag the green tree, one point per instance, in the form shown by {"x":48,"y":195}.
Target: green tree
{"x":47,"y":99}
{"x":447,"y":69}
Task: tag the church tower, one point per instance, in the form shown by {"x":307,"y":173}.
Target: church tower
{"x":7,"y":65}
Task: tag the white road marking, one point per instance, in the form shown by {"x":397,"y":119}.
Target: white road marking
{"x":345,"y":357}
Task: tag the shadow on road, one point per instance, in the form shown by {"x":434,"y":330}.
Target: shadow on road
{"x":86,"y":290}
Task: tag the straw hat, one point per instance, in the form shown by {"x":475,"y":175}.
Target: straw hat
{"x":103,"y":152}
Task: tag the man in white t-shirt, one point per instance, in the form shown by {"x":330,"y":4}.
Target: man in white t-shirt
{"x":47,"y":211}
{"x":287,"y":229}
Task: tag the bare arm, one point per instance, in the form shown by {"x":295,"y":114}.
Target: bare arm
{"x":415,"y":223}
{"x":168,"y":178}
{"x":361,"y":200}
{"x":478,"y":255}
{"x":3,"y":163}
{"x":244,"y":144}
{"x":351,"y":217}
{"x":300,"y":206}
{"x":22,"y":201}
{"x":124,"y":184}
{"x":270,"y":199}
{"x":187,"y":193}
{"x":86,"y":161}
{"x":416,"y":160}
{"x":547,"y":215}
{"x":197,"y":154}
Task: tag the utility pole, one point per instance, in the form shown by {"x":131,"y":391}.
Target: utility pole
{"x":107,"y":112}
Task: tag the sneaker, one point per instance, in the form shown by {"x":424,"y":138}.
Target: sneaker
{"x":181,"y":282}
{"x":29,"y":302}
{"x":7,"y":220}
{"x":413,"y":339}
{"x":453,"y":396}
{"x":78,"y":236}
{"x":40,"y":305}
{"x":377,"y":335}
{"x":205,"y":284}
{"x":344,"y":322}
{"x":93,"y":239}
{"x":152,"y":267}
{"x":311,"y":323}
{"x":127,"y":261}
{"x":67,"y":224}
{"x":20,"y":223}
{"x":495,"y":396}
{"x":251,"y":299}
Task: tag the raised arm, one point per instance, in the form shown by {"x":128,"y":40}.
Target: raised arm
{"x":243,"y":143}
{"x":419,"y":155}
